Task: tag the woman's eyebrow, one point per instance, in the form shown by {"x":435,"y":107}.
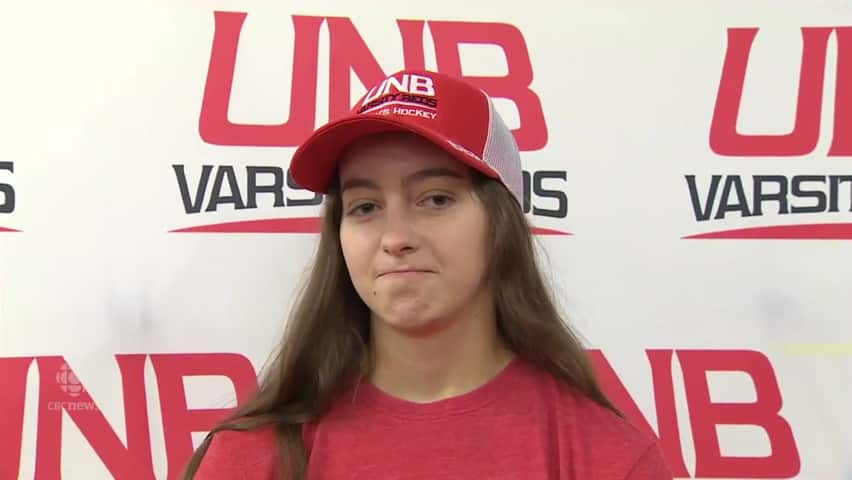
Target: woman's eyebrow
{"x":419,"y":176}
{"x":432,"y":173}
{"x":358,"y":183}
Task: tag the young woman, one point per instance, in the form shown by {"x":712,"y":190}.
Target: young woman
{"x":425,"y":344}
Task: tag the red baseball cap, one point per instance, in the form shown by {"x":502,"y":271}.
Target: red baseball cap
{"x":446,"y":110}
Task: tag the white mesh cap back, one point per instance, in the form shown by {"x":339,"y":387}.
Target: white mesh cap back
{"x":501,"y":153}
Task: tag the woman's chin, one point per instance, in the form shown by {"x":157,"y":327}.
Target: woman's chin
{"x":410,"y":323}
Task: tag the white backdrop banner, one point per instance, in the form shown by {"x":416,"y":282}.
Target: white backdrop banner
{"x":688,"y":171}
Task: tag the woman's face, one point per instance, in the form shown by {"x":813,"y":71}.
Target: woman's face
{"x":413,"y":233}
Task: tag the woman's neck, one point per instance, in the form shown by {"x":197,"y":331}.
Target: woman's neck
{"x":457,"y":359}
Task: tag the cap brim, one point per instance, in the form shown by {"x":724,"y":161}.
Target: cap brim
{"x":314,"y":164}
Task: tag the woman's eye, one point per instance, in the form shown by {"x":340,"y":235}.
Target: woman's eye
{"x":362,"y":209}
{"x":439,"y":200}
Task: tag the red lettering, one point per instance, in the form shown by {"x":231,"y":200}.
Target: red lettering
{"x":348,"y":53}
{"x":58,"y":386}
{"x":664,"y":399}
{"x":13,"y":371}
{"x":214,"y":126}
{"x":178,"y":420}
{"x":841,"y":145}
{"x":411,"y":32}
{"x":704,"y":416}
{"x":724,"y":137}
{"x":532,"y":134}
{"x":669,"y":435}
{"x":60,"y":390}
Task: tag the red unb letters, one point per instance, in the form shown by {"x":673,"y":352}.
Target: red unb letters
{"x":705,"y":416}
{"x":802,"y":140}
{"x":131,"y":459}
{"x":349,"y":53}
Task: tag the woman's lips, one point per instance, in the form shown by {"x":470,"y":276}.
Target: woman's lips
{"x":404,"y":273}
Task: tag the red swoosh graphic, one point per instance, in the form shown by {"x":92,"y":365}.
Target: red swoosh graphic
{"x":292,"y":225}
{"x":271,"y":225}
{"x":549,"y":231}
{"x":812,"y":231}
{"x":4,"y":229}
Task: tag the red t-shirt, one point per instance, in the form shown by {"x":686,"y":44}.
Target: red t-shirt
{"x":524,"y":424}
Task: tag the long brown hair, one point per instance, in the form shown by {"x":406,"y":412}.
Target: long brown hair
{"x":325,"y":345}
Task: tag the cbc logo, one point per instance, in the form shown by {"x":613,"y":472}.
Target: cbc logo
{"x":68,"y":382}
